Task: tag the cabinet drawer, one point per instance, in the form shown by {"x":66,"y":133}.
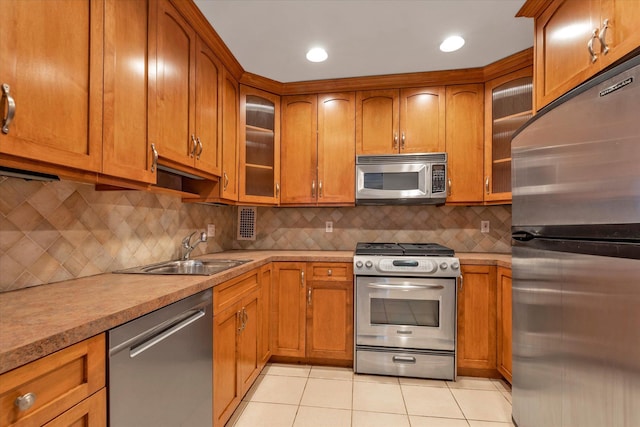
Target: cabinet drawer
{"x":338,"y":271}
{"x":58,"y":382}
{"x":90,"y":412}
{"x":229,"y":292}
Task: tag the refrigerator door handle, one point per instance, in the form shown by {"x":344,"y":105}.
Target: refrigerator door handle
{"x":522,"y":236}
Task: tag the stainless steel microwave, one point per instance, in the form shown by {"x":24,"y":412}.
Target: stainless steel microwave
{"x":408,"y":179}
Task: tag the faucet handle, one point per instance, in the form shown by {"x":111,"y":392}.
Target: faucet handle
{"x":186,"y":242}
{"x":203,"y":237}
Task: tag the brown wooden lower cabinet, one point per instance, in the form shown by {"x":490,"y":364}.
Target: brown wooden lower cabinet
{"x":476,"y":347}
{"x":68,"y":387}
{"x":236,"y":330}
{"x":312,"y":312}
{"x":504,"y":323}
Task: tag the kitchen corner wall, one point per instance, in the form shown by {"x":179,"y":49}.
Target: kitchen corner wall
{"x":54,"y":231}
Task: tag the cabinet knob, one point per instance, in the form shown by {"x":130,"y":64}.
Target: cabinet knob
{"x":320,"y":189}
{"x":25,"y":401}
{"x":302,"y":279}
{"x":402,"y":141}
{"x":329,"y":272}
{"x":395,"y":140}
{"x":313,"y":188}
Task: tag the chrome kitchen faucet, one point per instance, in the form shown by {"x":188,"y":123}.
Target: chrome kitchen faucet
{"x":186,"y":243}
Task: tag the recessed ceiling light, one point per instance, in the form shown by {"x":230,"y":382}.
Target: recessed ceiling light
{"x":452,"y":43}
{"x":317,"y":54}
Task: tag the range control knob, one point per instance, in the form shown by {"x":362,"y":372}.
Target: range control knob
{"x":455,"y":265}
{"x":444,"y":265}
{"x":358,"y":264}
{"x":368,"y":264}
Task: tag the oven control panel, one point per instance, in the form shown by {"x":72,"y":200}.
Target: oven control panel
{"x":406,"y":266}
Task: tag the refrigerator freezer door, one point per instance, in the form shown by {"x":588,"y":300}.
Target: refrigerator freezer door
{"x":576,"y":335}
{"x":579,"y":161}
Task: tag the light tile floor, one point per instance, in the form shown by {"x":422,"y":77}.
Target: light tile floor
{"x":313,"y":396}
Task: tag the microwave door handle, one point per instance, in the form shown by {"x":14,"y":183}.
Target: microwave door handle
{"x":400,"y":286}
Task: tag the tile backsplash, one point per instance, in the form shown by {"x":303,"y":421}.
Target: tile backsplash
{"x":54,"y":231}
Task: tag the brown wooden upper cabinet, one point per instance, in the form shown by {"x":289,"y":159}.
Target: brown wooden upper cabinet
{"x":318,"y":149}
{"x":395,"y":121}
{"x":575,"y":39}
{"x":188,"y":77}
{"x":508,"y":105}
{"x":230,"y":94}
{"x":51,"y":67}
{"x":465,"y":143}
{"x":259,"y":171}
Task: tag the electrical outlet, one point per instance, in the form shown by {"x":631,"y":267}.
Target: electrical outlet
{"x":328,"y":226}
{"x":484,"y":226}
{"x":211,"y":230}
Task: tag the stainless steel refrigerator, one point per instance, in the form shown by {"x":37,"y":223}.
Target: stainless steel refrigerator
{"x":576,"y":257}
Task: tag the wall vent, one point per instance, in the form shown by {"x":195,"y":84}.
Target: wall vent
{"x":246,"y":223}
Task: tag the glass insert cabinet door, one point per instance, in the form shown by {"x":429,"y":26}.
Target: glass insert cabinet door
{"x":509,"y":103}
{"x":260,"y":146}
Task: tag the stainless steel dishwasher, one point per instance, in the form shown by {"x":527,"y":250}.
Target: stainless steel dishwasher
{"x":161,"y":367}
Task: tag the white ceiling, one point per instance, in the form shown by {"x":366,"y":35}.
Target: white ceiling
{"x":365,"y":37}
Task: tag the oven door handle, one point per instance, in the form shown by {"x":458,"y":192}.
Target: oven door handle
{"x":400,"y":286}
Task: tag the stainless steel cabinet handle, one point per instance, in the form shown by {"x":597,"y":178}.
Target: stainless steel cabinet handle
{"x":25,"y":401}
{"x":604,"y":47}
{"x":404,"y":359}
{"x":402,"y":143}
{"x":192,"y":149}
{"x":147,"y":344}
{"x":320,"y":189}
{"x":403,"y":286}
{"x":395,"y":140}
{"x":239,"y":321}
{"x":154,"y":162}
{"x":461,"y":282}
{"x":594,"y":35}
{"x":201,"y":148}
{"x":11,"y":108}
{"x":302,"y":279}
{"x":449,"y":187}
{"x":245,"y":318}
{"x":313,"y":188}
{"x":226,"y":181}
{"x":486,"y":185}
{"x":309,"y":297}
{"x":277,"y":189}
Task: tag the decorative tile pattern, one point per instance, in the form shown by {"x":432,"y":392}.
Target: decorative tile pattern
{"x":456,"y":227}
{"x":54,"y":231}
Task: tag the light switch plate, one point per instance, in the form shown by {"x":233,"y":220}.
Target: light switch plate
{"x":328,"y":226}
{"x":211,"y":230}
{"x":484,"y":226}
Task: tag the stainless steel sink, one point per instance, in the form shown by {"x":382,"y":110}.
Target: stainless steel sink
{"x":193,"y":267}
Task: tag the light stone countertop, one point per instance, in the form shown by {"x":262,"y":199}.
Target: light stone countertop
{"x":38,"y":321}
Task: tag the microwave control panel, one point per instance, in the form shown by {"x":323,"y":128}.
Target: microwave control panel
{"x":438,"y":179}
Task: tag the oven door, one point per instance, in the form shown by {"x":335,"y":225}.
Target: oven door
{"x":406,"y":312}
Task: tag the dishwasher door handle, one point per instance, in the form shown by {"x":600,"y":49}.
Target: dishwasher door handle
{"x":161,"y":336}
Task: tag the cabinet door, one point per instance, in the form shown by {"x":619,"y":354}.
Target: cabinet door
{"x":622,"y":35}
{"x":91,"y":412}
{"x":377,"y":115}
{"x":336,"y":148}
{"x":477,"y":321}
{"x":464,"y":143}
{"x":248,"y":359}
{"x":289,"y":304}
{"x":226,"y":390}
{"x":264,"y":333}
{"x":562,"y":58}
{"x":52,"y":61}
{"x":175,"y":87}
{"x":259,"y":146}
{"x":129,"y":92}
{"x":330,"y":311}
{"x":422,"y":120}
{"x":504,"y":321}
{"x":208,"y":152}
{"x":508,"y":105}
{"x":299,"y":155}
{"x":230,"y":125}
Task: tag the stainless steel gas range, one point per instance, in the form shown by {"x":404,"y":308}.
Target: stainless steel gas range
{"x":405,"y":305}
